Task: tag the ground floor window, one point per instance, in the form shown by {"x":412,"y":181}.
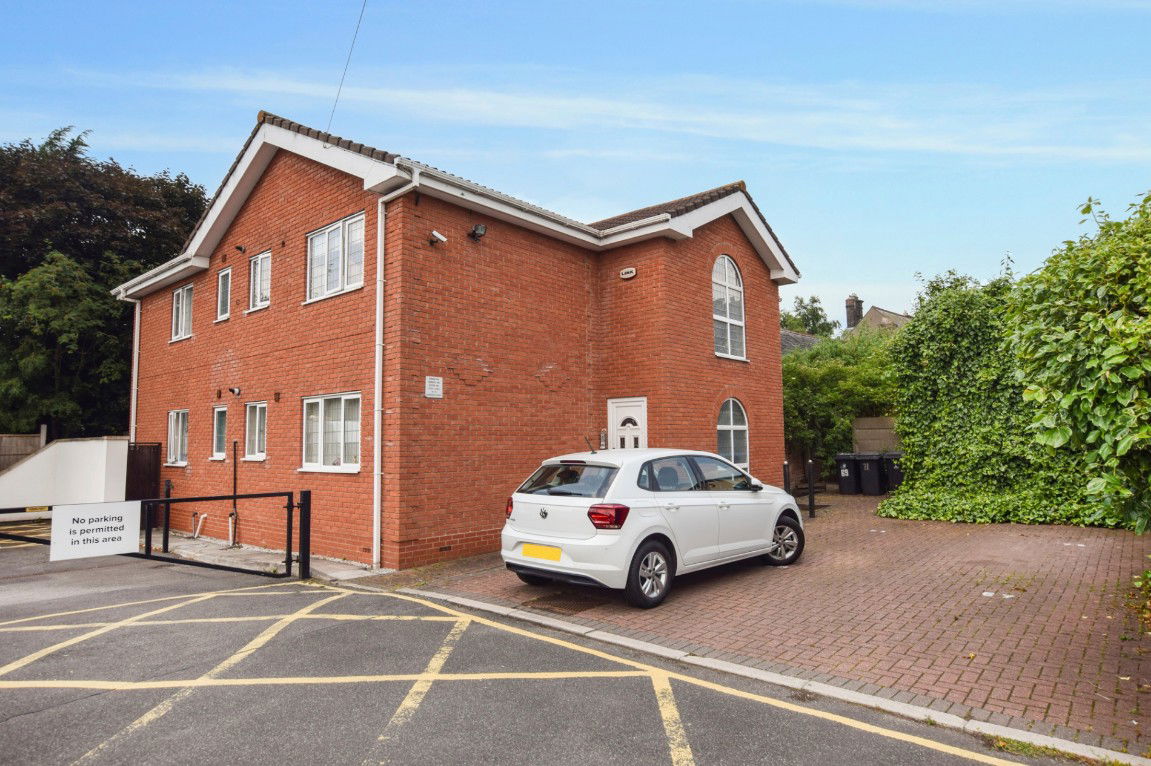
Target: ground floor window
{"x":731,"y":433}
{"x":219,"y":432}
{"x":255,"y":432}
{"x":178,"y":437}
{"x":332,"y":432}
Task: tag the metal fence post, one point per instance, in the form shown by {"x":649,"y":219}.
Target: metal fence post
{"x":305,"y":534}
{"x":787,"y":477}
{"x":148,"y":513}
{"x":811,"y":489}
{"x":167,"y":512}
{"x":288,"y":545}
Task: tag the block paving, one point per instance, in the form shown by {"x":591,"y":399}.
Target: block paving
{"x":1024,"y":626}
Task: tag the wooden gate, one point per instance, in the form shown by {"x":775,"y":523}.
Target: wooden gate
{"x":143,"y":479}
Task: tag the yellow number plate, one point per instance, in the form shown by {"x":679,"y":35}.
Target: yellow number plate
{"x":541,"y":552}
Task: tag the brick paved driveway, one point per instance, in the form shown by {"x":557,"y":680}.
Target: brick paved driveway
{"x":1024,"y":626}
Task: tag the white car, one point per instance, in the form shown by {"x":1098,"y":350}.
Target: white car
{"x":634,"y":519}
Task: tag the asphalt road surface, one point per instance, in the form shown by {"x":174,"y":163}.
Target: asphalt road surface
{"x":122,"y":660}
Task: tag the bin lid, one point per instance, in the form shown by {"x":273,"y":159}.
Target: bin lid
{"x":844,"y":456}
{"x":867,"y":456}
{"x":893,"y":455}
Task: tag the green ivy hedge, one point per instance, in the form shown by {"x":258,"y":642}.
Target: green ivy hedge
{"x":969,"y":452}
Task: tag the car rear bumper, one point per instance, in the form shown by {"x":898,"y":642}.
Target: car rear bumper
{"x":600,"y":560}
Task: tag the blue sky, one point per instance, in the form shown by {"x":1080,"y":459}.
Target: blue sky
{"x":880,"y":137}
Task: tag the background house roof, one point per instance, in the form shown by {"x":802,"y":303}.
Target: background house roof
{"x":790,"y":340}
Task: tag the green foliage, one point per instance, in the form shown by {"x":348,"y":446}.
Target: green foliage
{"x":968,"y":451}
{"x":809,"y":317}
{"x":71,"y":228}
{"x":1082,"y":337}
{"x":829,"y":385}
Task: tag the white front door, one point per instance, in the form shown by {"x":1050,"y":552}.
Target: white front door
{"x":627,"y":423}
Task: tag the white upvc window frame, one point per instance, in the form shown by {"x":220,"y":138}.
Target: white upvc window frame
{"x":223,"y":294}
{"x":732,"y":429}
{"x":319,"y":464}
{"x":219,"y":454}
{"x":731,"y":325}
{"x":177,"y":438}
{"x":259,"y":281}
{"x":182,"y":312}
{"x":255,"y":440}
{"x":343,"y":285}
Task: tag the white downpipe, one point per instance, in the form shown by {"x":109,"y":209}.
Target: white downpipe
{"x":199,"y":525}
{"x":378,"y":377}
{"x":135,"y":371}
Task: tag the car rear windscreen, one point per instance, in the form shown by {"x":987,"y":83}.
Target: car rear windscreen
{"x":570,"y":480}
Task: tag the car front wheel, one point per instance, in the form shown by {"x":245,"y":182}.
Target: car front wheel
{"x":650,"y":575}
{"x":786,"y":543}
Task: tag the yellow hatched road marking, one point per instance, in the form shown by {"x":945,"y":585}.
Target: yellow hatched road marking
{"x":254,"y":618}
{"x":232,"y":592}
{"x":677,"y":743}
{"x":29,"y":659}
{"x":245,"y":651}
{"x":428,"y":678}
{"x":419,"y":690}
{"x":844,"y":720}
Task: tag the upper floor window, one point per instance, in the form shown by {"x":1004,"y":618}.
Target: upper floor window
{"x":731,"y":433}
{"x":182,"y":313}
{"x":336,"y":257}
{"x":727,"y":308}
{"x":224,"y":294}
{"x":260,"y":281}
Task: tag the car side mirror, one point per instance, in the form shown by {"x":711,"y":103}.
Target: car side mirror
{"x":756,"y":487}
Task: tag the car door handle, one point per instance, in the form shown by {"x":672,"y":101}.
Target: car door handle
{"x":671,"y":506}
{"x":724,"y":506}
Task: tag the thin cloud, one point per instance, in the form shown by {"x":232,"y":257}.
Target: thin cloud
{"x":1074,"y":124}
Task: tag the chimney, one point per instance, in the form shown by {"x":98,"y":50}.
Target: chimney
{"x":854,"y":310}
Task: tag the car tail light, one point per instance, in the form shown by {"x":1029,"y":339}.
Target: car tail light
{"x":508,"y":510}
{"x":608,"y":515}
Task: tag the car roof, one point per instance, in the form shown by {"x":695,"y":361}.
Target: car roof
{"x":621,"y":457}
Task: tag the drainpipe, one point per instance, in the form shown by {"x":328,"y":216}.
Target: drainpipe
{"x":378,"y":378}
{"x":135,"y":369}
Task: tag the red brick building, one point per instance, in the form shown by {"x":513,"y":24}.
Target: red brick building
{"x":409,"y":345}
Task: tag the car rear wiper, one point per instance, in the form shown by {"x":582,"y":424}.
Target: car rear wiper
{"x":562,"y":492}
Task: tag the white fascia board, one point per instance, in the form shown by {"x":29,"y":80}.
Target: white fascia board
{"x":505,"y":210}
{"x":736,"y":205}
{"x":377,"y":176}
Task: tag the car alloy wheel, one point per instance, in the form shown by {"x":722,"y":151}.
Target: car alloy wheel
{"x":653,"y":574}
{"x":650,"y":575}
{"x":786,"y":542}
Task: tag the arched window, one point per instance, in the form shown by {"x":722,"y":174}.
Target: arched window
{"x":727,"y":308}
{"x":731,"y":433}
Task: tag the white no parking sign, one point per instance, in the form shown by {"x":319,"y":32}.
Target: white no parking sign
{"x":95,"y":529}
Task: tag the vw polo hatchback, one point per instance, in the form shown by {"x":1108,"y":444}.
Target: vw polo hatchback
{"x":635,"y":519}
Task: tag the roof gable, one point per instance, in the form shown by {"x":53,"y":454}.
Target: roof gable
{"x":385,"y":172}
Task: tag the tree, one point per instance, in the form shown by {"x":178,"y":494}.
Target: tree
{"x":967,"y":452}
{"x":808,"y":317}
{"x":1081,"y":331}
{"x":71,"y":228}
{"x":828,"y":386}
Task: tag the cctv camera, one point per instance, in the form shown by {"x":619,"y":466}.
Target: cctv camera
{"x":437,"y":237}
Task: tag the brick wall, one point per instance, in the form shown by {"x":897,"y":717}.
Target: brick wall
{"x":287,"y":350}
{"x":531,"y":336}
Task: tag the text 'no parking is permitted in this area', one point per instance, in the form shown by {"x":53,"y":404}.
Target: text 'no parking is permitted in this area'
{"x":95,"y":529}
